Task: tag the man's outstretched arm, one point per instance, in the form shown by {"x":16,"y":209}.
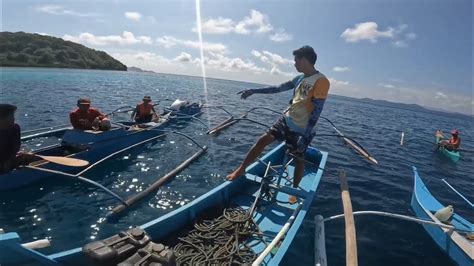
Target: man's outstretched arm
{"x":289,"y":85}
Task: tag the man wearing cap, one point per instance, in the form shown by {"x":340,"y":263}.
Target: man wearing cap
{"x":144,"y":111}
{"x":10,"y":138}
{"x":296,"y":125}
{"x":453,"y":143}
{"x":86,"y":117}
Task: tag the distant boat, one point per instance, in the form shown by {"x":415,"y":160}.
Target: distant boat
{"x":453,"y":155}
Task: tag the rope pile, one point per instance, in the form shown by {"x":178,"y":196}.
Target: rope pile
{"x":222,"y":241}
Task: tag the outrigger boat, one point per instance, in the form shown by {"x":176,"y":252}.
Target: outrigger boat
{"x":258,"y":200}
{"x":455,"y":237}
{"x":457,"y":242}
{"x":453,"y":155}
{"x":92,"y":146}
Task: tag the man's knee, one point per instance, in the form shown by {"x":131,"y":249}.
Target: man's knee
{"x":105,"y":124}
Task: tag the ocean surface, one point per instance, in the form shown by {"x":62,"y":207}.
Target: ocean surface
{"x":72,"y":213}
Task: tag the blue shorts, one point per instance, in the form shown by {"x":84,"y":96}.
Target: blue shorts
{"x":281,"y":132}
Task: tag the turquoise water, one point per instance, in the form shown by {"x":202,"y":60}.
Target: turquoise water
{"x":72,"y":213}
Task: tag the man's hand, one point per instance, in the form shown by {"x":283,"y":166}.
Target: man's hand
{"x":245,"y":93}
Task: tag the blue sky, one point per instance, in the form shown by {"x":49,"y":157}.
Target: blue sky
{"x":416,"y":51}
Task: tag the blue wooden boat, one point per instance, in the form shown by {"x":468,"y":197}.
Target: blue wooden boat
{"x":271,"y":214}
{"x":88,"y":145}
{"x":92,"y":146}
{"x":453,"y":243}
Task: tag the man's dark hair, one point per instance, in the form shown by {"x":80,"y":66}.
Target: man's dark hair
{"x":306,"y":52}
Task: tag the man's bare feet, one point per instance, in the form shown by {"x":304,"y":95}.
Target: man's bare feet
{"x":292,"y":199}
{"x":237,"y":172}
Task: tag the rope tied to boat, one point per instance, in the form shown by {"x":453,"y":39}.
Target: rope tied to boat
{"x":222,"y":241}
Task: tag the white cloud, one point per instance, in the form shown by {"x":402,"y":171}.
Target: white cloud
{"x":281,"y":36}
{"x":440,"y":95}
{"x":183,"y":57}
{"x":170,"y":41}
{"x":277,"y":59}
{"x":127,"y":38}
{"x":228,"y":64}
{"x":144,"y":60}
{"x":134,"y":16}
{"x":271,"y":58}
{"x":257,"y":22}
{"x":335,"y":82}
{"x":388,"y":86}
{"x":369,"y":31}
{"x":217,"y":26}
{"x":43,"y":33}
{"x":62,"y":11}
{"x":341,"y":69}
{"x":145,"y":56}
{"x":366,"y":31}
{"x":276,"y":71}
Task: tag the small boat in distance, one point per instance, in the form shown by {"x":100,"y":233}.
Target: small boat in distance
{"x":453,"y":155}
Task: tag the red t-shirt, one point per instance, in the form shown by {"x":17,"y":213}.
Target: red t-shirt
{"x":83,"y":120}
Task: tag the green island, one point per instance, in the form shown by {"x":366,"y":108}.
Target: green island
{"x":20,"y":49}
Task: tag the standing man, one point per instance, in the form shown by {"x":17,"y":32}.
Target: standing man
{"x":144,"y":112}
{"x":297,"y":123}
{"x":86,"y":117}
{"x":10,"y":138}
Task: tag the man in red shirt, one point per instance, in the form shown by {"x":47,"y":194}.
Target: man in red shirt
{"x":453,"y":143}
{"x":144,"y":112}
{"x":86,"y":117}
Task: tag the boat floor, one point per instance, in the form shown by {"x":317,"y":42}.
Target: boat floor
{"x":270,"y":216}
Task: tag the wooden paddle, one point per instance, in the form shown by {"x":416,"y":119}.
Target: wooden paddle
{"x":64,"y":160}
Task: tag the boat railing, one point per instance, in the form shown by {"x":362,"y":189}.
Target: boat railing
{"x":457,"y":192}
{"x":319,"y":221}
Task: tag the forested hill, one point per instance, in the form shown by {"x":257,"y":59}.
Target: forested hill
{"x":34,"y":50}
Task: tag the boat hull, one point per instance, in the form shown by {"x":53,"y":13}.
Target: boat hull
{"x":105,"y":144}
{"x":241,"y":192}
{"x":424,"y":205}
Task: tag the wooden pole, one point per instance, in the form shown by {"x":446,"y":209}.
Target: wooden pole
{"x":351,"y":241}
{"x":78,"y":177}
{"x":153,"y":187}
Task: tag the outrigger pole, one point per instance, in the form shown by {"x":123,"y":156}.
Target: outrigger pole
{"x":160,"y":181}
{"x":231,"y":120}
{"x":87,"y":180}
{"x":81,"y":178}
